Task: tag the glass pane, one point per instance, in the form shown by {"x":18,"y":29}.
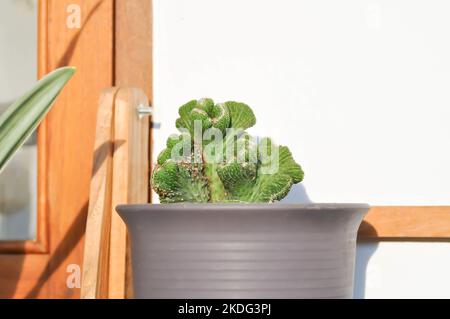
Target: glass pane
{"x":18,"y":69}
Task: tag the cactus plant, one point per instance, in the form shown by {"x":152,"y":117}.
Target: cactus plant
{"x":214,"y":159}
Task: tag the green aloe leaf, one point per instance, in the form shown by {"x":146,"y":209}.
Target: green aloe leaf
{"x":20,"y":120}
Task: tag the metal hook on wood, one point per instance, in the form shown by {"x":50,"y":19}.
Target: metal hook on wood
{"x":144,"y":110}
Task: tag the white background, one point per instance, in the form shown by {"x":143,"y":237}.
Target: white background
{"x":359,"y":90}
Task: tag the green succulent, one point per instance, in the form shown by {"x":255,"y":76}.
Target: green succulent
{"x":214,"y":159}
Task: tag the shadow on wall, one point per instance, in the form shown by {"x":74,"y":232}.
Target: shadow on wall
{"x":364,"y":251}
{"x":297,"y":195}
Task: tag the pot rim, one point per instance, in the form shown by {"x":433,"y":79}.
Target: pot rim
{"x":253,"y":206}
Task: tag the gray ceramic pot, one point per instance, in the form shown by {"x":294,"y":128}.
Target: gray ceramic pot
{"x":188,"y":251}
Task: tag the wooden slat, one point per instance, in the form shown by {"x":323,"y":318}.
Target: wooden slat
{"x":407,"y":223}
{"x":133,"y":49}
{"x":96,"y":248}
{"x":134,"y":68}
{"x":134,"y":44}
{"x":122,"y":138}
{"x":130,"y":179}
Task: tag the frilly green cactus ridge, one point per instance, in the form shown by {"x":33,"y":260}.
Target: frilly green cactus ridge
{"x":251,"y":172}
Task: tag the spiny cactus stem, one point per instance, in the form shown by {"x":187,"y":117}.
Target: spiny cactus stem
{"x":215,"y":185}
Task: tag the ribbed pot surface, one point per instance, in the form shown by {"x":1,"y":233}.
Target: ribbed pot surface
{"x":268,"y":251}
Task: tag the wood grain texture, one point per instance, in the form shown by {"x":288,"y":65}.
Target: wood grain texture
{"x":71,"y":129}
{"x":96,"y":248}
{"x":130,"y":180}
{"x":134,"y":50}
{"x":67,"y":140}
{"x":121,"y":138}
{"x":134,"y":68}
{"x":407,"y":223}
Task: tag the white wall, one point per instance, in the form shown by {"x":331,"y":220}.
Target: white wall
{"x":357,"y":89}
{"x":403,"y":270}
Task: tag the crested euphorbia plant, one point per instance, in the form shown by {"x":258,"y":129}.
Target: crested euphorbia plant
{"x":215,"y":160}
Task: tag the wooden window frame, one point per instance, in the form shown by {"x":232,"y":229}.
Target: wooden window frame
{"x":39,"y":245}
